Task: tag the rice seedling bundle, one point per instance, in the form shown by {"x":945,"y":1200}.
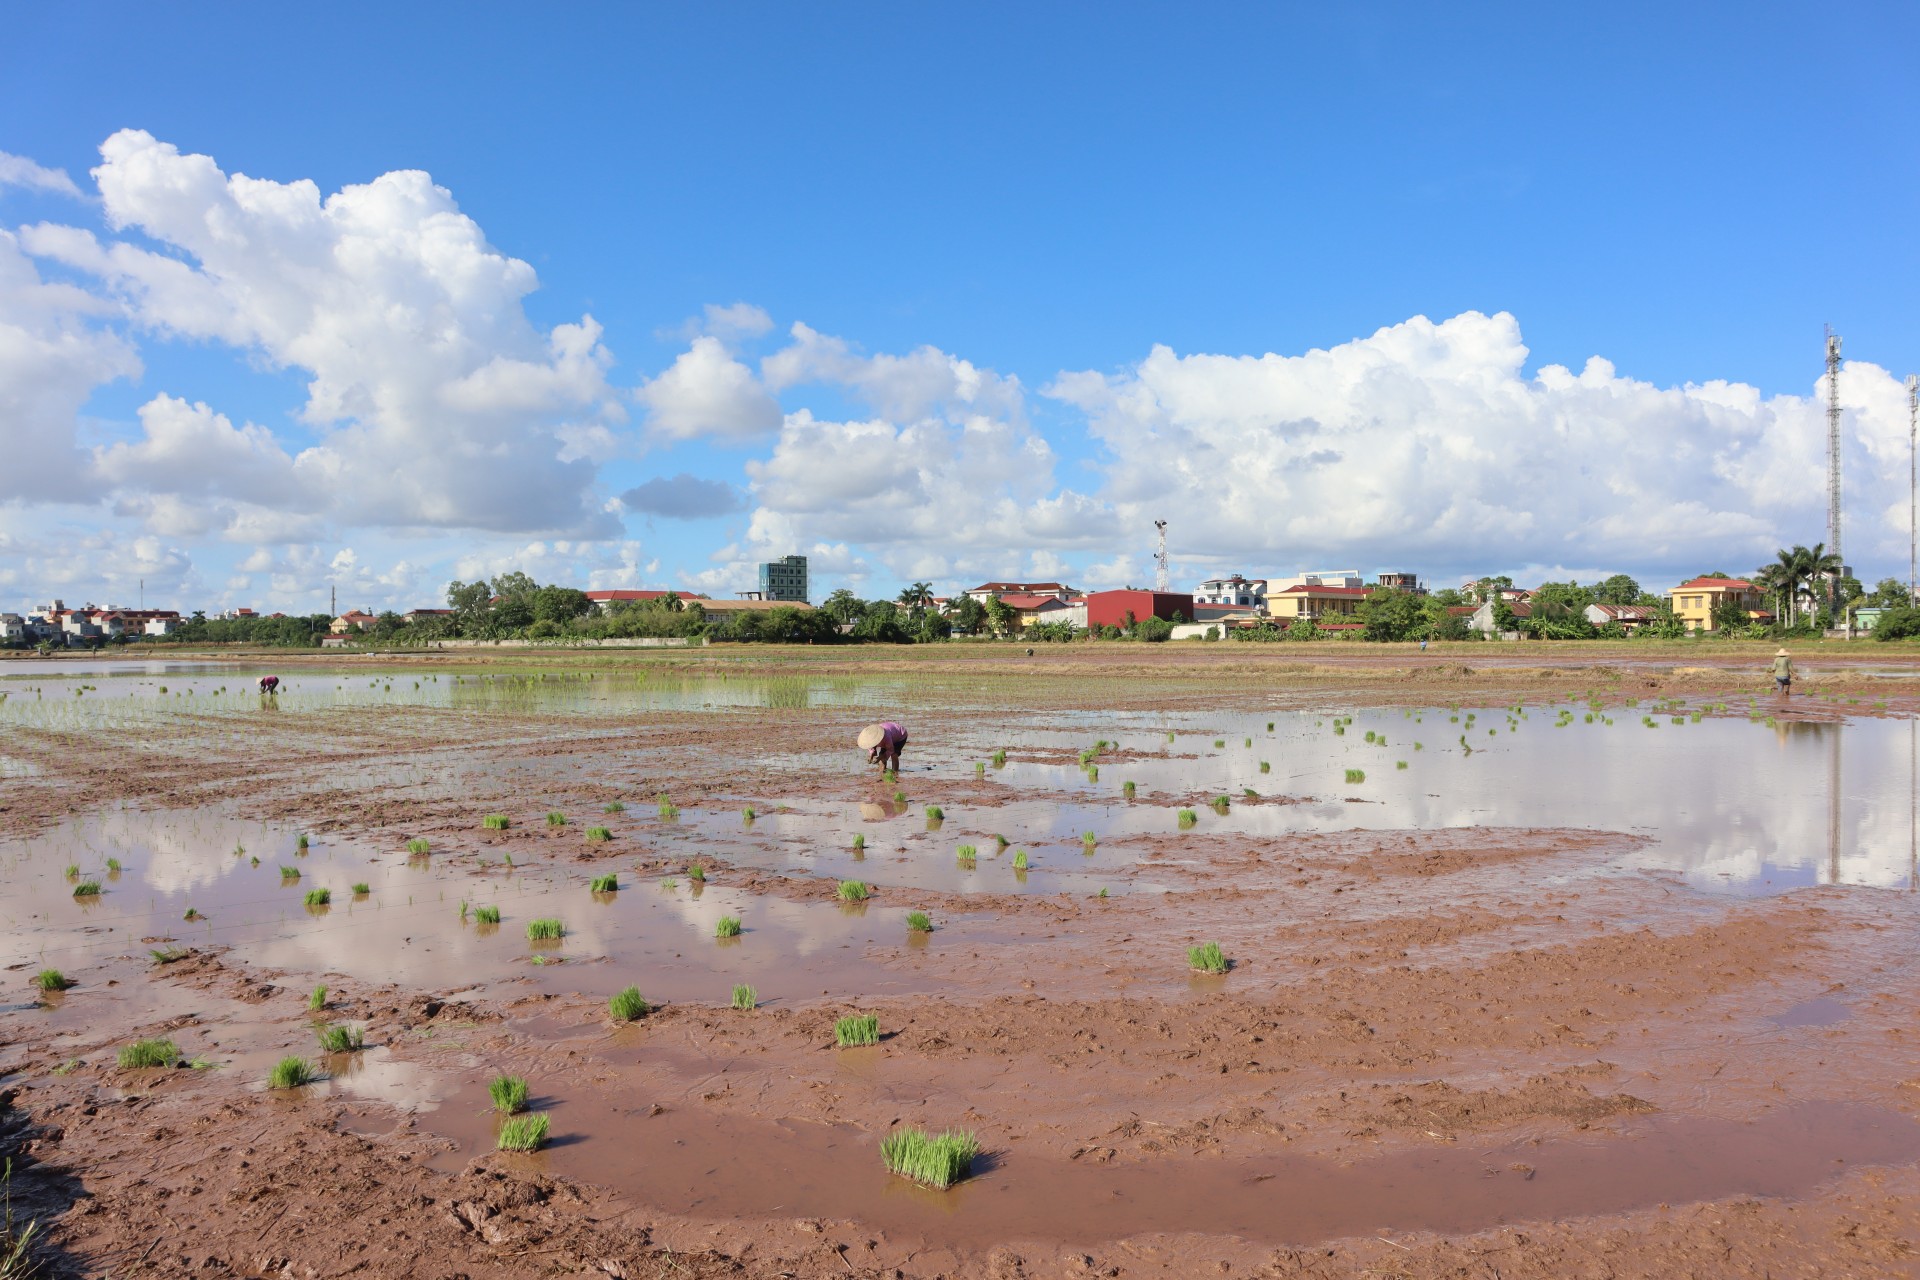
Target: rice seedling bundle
{"x":729,"y":927}
{"x":628,"y":1005}
{"x":1207,"y":958}
{"x":544,"y":929}
{"x":290,"y":1073}
{"x":853,"y":891}
{"x":523,"y":1133}
{"x":917,"y":922}
{"x":857,"y":1031}
{"x":157,"y":1052}
{"x":745,"y":998}
{"x":934,"y":1160}
{"x":607,"y":883}
{"x":509,"y":1094}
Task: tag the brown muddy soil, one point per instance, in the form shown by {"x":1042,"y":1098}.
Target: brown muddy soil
{"x":1503,"y":1048}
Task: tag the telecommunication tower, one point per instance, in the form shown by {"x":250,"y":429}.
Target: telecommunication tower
{"x":1833,"y":448}
{"x":1913,"y":474}
{"x":1161,"y":580}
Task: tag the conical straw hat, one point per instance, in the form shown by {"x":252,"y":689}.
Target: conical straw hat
{"x":871,"y":735}
{"x":1779,"y":654}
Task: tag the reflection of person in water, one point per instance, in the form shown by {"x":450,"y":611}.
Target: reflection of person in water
{"x":883,"y":743}
{"x":1783,"y":673}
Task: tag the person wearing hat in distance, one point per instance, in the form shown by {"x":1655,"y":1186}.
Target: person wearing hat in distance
{"x":883,"y":743}
{"x":1783,"y":673}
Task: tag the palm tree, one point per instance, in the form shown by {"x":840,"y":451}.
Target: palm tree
{"x":918,"y":596}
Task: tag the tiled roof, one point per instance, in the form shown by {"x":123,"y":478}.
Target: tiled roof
{"x":1711,"y":584}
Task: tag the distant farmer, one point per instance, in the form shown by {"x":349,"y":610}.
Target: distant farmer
{"x":1783,"y":672}
{"x":883,"y":743}
{"x":269,"y":684}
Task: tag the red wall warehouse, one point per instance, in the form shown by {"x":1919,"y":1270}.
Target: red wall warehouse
{"x":1109,"y":608}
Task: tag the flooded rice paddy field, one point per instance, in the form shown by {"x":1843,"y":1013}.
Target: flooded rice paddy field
{"x":1535,"y":968}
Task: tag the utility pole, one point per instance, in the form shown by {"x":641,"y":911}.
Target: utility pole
{"x":333,"y":601}
{"x":1161,"y":581}
{"x":1833,"y":465}
{"x":1913,"y":476}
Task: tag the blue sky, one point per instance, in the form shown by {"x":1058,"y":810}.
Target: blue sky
{"x":987,"y":218}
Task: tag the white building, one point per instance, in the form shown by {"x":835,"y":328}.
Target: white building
{"x":13,"y":628}
{"x":1242,"y":593}
{"x":1348,"y":578}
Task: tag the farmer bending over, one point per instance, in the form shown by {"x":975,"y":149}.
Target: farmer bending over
{"x":269,"y":684}
{"x":1783,"y":673}
{"x":883,"y":743}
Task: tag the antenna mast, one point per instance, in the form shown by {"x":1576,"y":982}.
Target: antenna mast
{"x":1161,"y":581}
{"x":1833,"y":452}
{"x":1913,"y":475}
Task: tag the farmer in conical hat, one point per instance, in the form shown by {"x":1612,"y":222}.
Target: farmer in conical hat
{"x":1783,"y":672}
{"x":883,"y":742}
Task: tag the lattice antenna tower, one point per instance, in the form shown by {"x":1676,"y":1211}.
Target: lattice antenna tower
{"x":1162,"y":581}
{"x":1913,"y":476}
{"x":1833,"y":448}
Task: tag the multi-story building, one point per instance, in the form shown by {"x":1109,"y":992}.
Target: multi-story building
{"x":994,"y":590}
{"x":1240,"y":592}
{"x":1695,"y":601}
{"x":1324,"y":578}
{"x":784,"y":579}
{"x":1319,"y":603}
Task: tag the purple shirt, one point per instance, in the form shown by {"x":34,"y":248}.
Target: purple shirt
{"x":892,"y":736}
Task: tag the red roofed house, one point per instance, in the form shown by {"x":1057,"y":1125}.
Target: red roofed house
{"x":351,"y":620}
{"x":1695,"y":601}
{"x":1320,"y":604}
{"x":1631,"y":617}
{"x":989,"y":590}
{"x":604,"y":600}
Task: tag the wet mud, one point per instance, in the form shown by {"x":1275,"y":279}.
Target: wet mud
{"x":1537,"y":967}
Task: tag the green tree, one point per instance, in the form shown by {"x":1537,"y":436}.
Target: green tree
{"x":515,"y":586}
{"x":918,"y":596}
{"x":1729,"y":616}
{"x":1619,"y":589}
{"x":1000,"y":615}
{"x":1888,"y":593}
{"x":1388,"y":615}
{"x":967,"y":614}
{"x":560,"y":604}
{"x":470,"y":602}
{"x":844,"y":607}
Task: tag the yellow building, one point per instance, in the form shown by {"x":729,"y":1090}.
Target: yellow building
{"x":1694,"y":602}
{"x":1321,"y":604}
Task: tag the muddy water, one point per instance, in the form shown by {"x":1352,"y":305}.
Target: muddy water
{"x":686,"y":1161}
{"x":1728,"y":803}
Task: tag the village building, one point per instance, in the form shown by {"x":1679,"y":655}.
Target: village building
{"x":1694,"y":602}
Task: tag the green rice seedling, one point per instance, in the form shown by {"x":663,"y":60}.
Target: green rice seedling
{"x":1019,"y":859}
{"x":668,"y":809}
{"x":979,"y":768}
{"x":1220,"y":804}
{"x":598,"y":835}
{"x":745,"y":998}
{"x":1102,"y":893}
{"x":1399,"y":764}
{"x":1249,"y":742}
{"x":1127,"y":789}
{"x":87,"y":889}
{"x":1000,"y":841}
{"x":1088,"y":839}
{"x":1207,"y":958}
{"x":319,"y":897}
{"x":628,"y":1005}
{"x":1185,"y":817}
{"x":361,"y":889}
{"x":290,"y":1073}
{"x":335,"y":1038}
{"x":318,"y":1000}
{"x":544,"y":929}
{"x":509,"y":1094}
{"x":934,"y":1160}
{"x":158,"y":1052}
{"x":1369,"y":735}
{"x":859,"y":840}
{"x":614,"y":806}
{"x":73,"y":871}
{"x":857,"y":1031}
{"x":1219,"y":742}
{"x":113,"y":865}
{"x":999,"y":757}
{"x":167,"y":955}
{"x":1269,"y":726}
{"x":556,"y":819}
{"x":1248,"y":793}
{"x":486,"y":915}
{"x":51,"y":980}
{"x":463,"y":910}
{"x":193,"y":913}
{"x":917,"y":922}
{"x":608,"y":883}
{"x":1093,"y":773}
{"x":747,"y":814}
{"x":1339,"y":730}
{"x":729,"y":927}
{"x":289,"y":873}
{"x":239,"y":849}
{"x":1265,"y":767}
{"x":254,"y":862}
{"x":301,"y":843}
{"x":494,"y":822}
{"x":418,"y":847}
{"x":965,"y":856}
{"x":936,"y":814}
{"x":1356,"y":775}
{"x":899,"y":797}
{"x":696,"y":872}
{"x":523,"y":1133}
{"x":853,"y":891}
